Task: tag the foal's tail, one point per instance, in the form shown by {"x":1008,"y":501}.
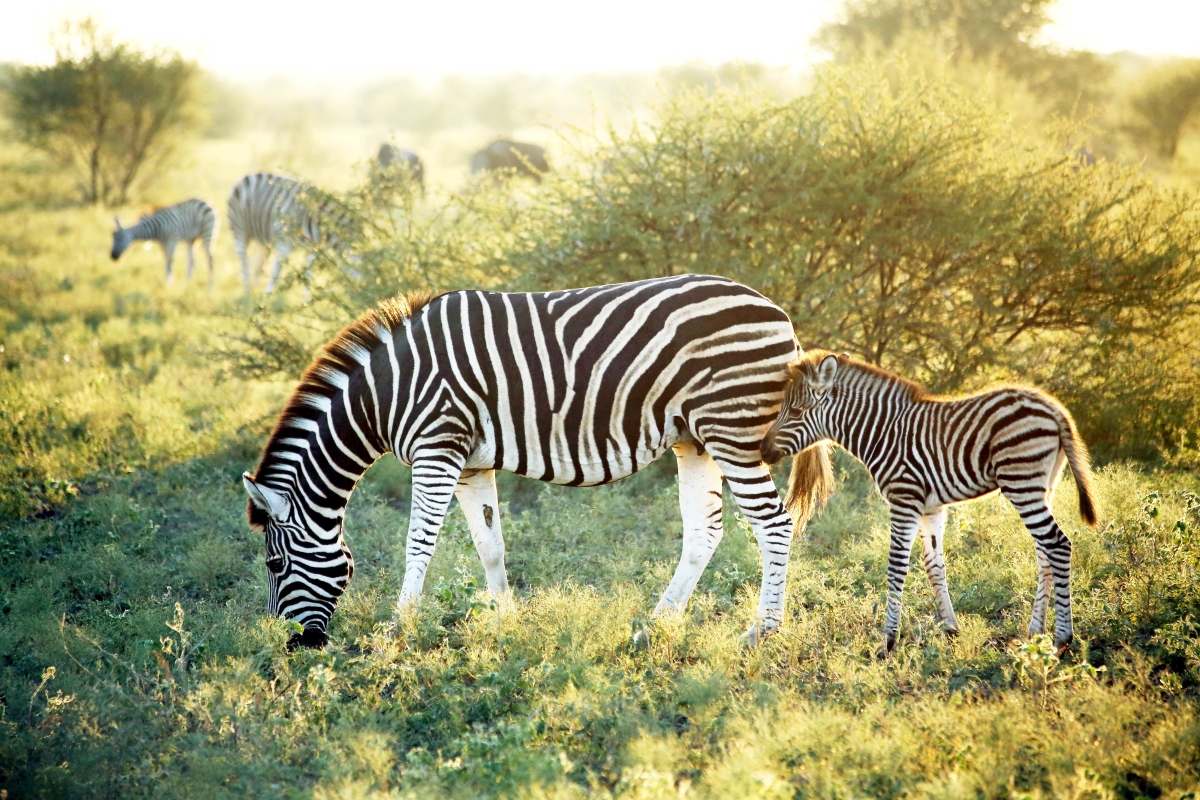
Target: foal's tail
{"x":1081,"y":465}
{"x":810,"y":483}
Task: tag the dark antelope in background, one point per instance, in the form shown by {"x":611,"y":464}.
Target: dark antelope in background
{"x":390,"y":154}
{"x":524,"y":159}
{"x":926,"y":452}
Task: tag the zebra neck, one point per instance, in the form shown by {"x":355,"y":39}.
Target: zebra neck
{"x":869,"y":413}
{"x":144,"y":229}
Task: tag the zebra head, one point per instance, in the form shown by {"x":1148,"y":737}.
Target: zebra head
{"x":122,"y":238}
{"x":806,"y":399}
{"x":308,"y":568}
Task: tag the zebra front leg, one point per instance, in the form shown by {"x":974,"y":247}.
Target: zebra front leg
{"x":905,"y":522}
{"x":758,"y":500}
{"x":433,"y":484}
{"x":700,"y":506}
{"x":933,"y":528}
{"x":191,"y":261}
{"x":169,"y":251}
{"x":476,"y":493}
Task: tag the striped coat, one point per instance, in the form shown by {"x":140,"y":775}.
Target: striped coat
{"x":184,"y":222}
{"x":579,"y":388}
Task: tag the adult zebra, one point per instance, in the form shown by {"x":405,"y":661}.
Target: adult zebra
{"x":259,"y":206}
{"x":579,"y":387}
{"x":183,"y":222}
{"x":926,"y":452}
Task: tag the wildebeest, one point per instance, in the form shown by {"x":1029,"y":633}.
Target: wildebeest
{"x":523,"y":158}
{"x":390,"y":154}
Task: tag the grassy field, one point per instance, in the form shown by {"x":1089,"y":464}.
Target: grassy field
{"x":136,"y":657}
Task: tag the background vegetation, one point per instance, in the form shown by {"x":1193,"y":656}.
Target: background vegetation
{"x":917,"y":202}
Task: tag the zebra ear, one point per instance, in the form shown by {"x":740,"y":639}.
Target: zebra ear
{"x":117,"y":220}
{"x":272,"y":501}
{"x":827,"y":372}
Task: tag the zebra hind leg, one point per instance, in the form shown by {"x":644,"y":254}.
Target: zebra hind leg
{"x":476,"y":493}
{"x":169,"y":250}
{"x":1054,"y":561}
{"x":933,"y":528}
{"x":700,"y":506}
{"x":191,"y":258}
{"x":905,"y":522}
{"x":758,"y":500}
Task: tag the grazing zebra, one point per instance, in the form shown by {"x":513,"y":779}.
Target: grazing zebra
{"x":524,"y":159}
{"x":259,"y":205}
{"x":580,"y":388}
{"x":184,"y":222}
{"x":926,"y":452}
{"x":390,"y":154}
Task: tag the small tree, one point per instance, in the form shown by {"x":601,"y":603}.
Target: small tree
{"x":1164,"y":102}
{"x":112,"y":112}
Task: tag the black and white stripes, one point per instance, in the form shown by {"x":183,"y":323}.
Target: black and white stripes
{"x":259,"y":207}
{"x":578,"y":387}
{"x":926,"y":452}
{"x":185,"y":222}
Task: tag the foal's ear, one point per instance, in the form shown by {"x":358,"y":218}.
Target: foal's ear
{"x":272,"y":501}
{"x":826,"y":372}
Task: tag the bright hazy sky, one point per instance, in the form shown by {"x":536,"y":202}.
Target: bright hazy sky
{"x":357,"y":38}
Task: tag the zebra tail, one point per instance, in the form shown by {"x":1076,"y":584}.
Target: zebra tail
{"x":810,"y":483}
{"x":1081,"y":467}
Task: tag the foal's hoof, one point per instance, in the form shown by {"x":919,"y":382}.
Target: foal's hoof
{"x":889,"y":643}
{"x":311,"y":639}
{"x":642,"y":637}
{"x":951,"y":633}
{"x":1061,"y":646}
{"x":755,"y":634}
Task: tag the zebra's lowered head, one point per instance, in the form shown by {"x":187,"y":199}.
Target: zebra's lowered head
{"x":308,"y":568}
{"x":801,"y":422}
{"x":122,"y":238}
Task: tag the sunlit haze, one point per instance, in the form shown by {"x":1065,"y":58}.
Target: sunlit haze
{"x":356,"y":38}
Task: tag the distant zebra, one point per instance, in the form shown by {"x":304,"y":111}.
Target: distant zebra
{"x":259,"y":205}
{"x":926,"y":452}
{"x":390,"y":154}
{"x":580,"y":388}
{"x":522,"y":158}
{"x":184,"y":222}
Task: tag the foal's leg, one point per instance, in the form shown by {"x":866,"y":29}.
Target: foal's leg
{"x":1054,"y":560}
{"x":933,"y":528}
{"x":169,"y":251}
{"x":191,"y":260}
{"x":905,"y":522}
{"x":700,"y":505}
{"x":476,"y":493}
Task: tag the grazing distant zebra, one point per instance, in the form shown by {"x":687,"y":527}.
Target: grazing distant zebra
{"x":926,"y":452}
{"x":389,"y":154}
{"x":259,"y":204}
{"x":525,"y":159}
{"x":185,"y":222}
{"x":580,"y":388}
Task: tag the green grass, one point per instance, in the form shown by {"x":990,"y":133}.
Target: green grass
{"x":137,"y":660}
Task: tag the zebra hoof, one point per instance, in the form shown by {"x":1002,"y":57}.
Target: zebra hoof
{"x":755,"y":635}
{"x":643,"y":637}
{"x":1061,"y":646}
{"x":311,"y":639}
{"x":889,"y":644}
{"x":951,"y":633}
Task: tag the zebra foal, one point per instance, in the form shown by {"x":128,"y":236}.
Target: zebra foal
{"x":926,"y":452}
{"x":579,"y":388}
{"x":184,"y":222}
{"x":260,"y":205}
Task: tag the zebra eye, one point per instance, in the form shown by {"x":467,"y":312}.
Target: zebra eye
{"x":275,"y":564}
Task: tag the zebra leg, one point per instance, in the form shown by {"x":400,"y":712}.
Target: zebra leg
{"x":1054,"y":561}
{"x":191,"y":260}
{"x":239,"y":244}
{"x":433,"y":484}
{"x":211,"y":272}
{"x":282,"y":251}
{"x":758,"y":500}
{"x":905,"y":522}
{"x":933,"y":528}
{"x":169,"y":250}
{"x":476,"y":493}
{"x":700,"y":506}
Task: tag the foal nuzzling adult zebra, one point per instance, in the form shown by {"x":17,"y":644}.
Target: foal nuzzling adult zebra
{"x":926,"y":452}
{"x":580,"y":387}
{"x":184,"y":222}
{"x":259,"y":207}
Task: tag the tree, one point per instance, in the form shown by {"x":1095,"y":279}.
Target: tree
{"x":110,"y":111}
{"x":1164,"y":101}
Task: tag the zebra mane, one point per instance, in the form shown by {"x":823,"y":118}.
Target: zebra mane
{"x":806,"y":367}
{"x":338,"y":359}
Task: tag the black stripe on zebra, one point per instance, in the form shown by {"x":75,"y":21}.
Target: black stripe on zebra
{"x":261,"y":205}
{"x":926,"y":452}
{"x":578,"y":387}
{"x":183,"y":222}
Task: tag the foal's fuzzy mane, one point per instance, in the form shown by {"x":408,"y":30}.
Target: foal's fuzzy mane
{"x":806,"y":367}
{"x":340,"y":356}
